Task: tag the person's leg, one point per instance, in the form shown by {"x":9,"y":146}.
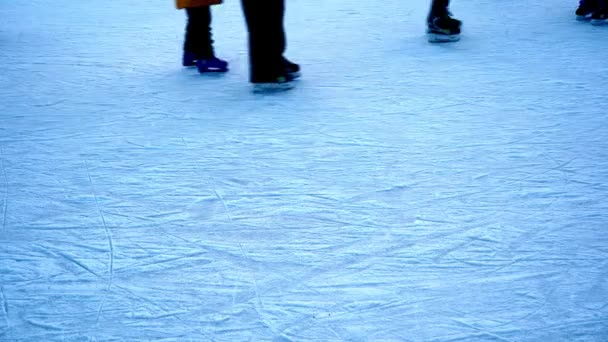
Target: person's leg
{"x":198,"y":45}
{"x":198,"y":38}
{"x":439,"y":7}
{"x":266,"y":38}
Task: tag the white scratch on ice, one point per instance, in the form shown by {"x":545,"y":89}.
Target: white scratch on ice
{"x":110,"y":244}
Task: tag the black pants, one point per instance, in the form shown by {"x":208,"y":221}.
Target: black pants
{"x":198,"y":32}
{"x":438,"y":8}
{"x":594,"y":4}
{"x":266,"y":38}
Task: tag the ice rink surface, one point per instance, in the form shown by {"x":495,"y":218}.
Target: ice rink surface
{"x":403,"y":191}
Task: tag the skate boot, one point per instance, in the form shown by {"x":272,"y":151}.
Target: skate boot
{"x":212,"y":64}
{"x":441,"y":27}
{"x":585,"y":10}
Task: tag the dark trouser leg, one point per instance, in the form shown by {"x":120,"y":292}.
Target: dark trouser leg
{"x":440,"y":5}
{"x":198,"y":32}
{"x":264,"y":20}
{"x":438,"y":8}
{"x":589,"y":3}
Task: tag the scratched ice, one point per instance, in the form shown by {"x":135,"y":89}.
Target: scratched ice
{"x":402,"y":192}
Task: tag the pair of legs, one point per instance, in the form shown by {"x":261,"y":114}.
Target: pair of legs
{"x":264,"y":20}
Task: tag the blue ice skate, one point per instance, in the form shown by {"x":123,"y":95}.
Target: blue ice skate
{"x":212,"y":64}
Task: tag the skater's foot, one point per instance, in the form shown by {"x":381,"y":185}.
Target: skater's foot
{"x":212,"y":64}
{"x":585,"y":11}
{"x":443,"y":28}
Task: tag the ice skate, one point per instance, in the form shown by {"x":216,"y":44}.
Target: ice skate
{"x":212,"y":64}
{"x":443,"y":28}
{"x":585,"y":10}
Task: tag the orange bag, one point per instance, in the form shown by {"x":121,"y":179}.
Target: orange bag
{"x":195,"y":3}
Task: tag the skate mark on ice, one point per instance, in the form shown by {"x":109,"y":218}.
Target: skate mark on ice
{"x":49,"y":104}
{"x":447,"y":251}
{"x":5,"y":199}
{"x":545,"y":302}
{"x":302,"y":322}
{"x":150,"y":315}
{"x":497,"y":189}
{"x":217,"y":194}
{"x":241,"y":259}
{"x":238,"y":259}
{"x":143,"y":299}
{"x":83,"y":266}
{"x":422,"y":219}
{"x":108,"y":234}
{"x":348,"y":141}
{"x":560,"y":167}
{"x":42,"y":325}
{"x":259,"y":305}
{"x":152,"y":264}
{"x":4,"y":308}
{"x":480,"y":333}
{"x":135,"y":144}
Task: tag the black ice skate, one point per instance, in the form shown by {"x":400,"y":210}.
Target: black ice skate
{"x":585,"y":10}
{"x":443,"y":28}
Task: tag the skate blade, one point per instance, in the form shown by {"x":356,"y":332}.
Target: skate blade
{"x":599,"y":22}
{"x":443,"y":38}
{"x":586,"y":17}
{"x":212,"y":70}
{"x":269,"y":88}
{"x":295,"y":75}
